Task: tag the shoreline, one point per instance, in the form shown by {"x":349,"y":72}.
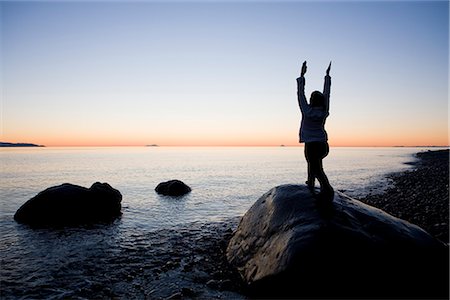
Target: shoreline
{"x":420,"y":195}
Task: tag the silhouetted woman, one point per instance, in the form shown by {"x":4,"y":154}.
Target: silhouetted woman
{"x":313,"y":134}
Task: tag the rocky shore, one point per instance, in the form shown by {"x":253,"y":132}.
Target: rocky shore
{"x":420,"y":196}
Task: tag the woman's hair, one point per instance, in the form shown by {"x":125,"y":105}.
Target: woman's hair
{"x":317,"y":99}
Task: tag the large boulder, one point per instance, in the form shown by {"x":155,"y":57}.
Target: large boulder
{"x":290,"y":245}
{"x":69,"y":204}
{"x":172,"y":188}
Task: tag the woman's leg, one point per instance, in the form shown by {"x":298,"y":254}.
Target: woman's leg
{"x":322,"y":178}
{"x":311,"y":178}
{"x":309,"y":155}
{"x":314,"y":153}
{"x":326,"y":190}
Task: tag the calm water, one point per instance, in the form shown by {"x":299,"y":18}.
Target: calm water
{"x":224,"y":181}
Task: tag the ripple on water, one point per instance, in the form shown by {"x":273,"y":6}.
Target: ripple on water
{"x":99,"y":262}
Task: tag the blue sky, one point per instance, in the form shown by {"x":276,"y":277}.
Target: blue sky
{"x":222,"y":73}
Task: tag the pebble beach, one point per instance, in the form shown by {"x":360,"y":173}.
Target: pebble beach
{"x":421,"y":195}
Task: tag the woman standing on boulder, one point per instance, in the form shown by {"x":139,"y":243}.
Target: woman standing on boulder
{"x":313,"y":134}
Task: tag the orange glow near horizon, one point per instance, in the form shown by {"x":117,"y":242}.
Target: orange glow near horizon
{"x":410,"y":139}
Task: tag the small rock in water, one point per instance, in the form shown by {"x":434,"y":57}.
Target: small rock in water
{"x":172,"y":188}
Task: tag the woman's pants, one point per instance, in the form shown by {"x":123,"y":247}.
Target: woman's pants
{"x":314,"y":153}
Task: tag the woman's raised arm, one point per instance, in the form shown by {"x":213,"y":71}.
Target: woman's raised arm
{"x":327,"y":88}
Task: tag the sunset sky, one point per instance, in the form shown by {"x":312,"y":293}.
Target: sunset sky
{"x":222,"y":73}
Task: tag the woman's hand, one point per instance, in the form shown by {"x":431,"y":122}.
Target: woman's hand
{"x":303,"y":69}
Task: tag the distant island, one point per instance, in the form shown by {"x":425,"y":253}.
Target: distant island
{"x":3,"y":144}
{"x":152,"y":145}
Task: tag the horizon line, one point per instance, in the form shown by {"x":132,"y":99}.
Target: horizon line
{"x":248,"y":146}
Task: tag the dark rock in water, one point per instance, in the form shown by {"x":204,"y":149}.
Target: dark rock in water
{"x":69,"y":204}
{"x":289,"y":245}
{"x":172,"y":188}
